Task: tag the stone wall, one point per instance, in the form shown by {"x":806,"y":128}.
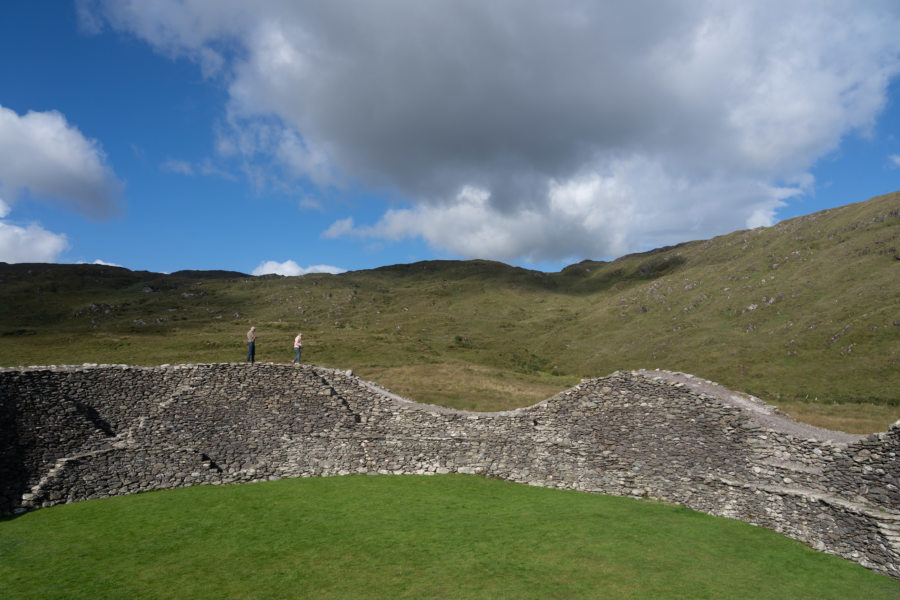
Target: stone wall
{"x":75,"y":433}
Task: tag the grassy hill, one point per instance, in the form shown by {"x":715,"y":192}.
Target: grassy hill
{"x":805,"y":314}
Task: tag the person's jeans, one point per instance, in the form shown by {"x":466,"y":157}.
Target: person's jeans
{"x":297,"y":350}
{"x":251,"y":351}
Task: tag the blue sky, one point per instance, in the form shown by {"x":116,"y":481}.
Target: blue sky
{"x":327,"y":136}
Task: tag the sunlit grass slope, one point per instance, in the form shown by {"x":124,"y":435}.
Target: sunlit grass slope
{"x":805,"y":314}
{"x":407,"y":537}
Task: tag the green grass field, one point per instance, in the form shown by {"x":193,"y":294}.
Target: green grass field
{"x":406,"y":537}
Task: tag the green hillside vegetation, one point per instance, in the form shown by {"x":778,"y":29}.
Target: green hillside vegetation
{"x":449,"y":536}
{"x":805,"y":314}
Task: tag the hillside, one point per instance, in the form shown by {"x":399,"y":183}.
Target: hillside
{"x":805,"y":314}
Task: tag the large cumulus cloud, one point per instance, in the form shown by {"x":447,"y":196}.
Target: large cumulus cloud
{"x":539,"y":130}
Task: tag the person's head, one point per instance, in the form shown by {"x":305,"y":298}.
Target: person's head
{"x":253,"y":329}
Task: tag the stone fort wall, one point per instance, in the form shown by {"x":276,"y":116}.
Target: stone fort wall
{"x":76,"y":433}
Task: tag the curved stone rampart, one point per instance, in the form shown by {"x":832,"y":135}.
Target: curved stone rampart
{"x":75,"y":433}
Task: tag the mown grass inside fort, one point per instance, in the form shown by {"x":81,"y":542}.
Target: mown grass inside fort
{"x":448,"y":536}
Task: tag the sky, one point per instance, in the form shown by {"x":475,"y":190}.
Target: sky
{"x":293,"y":137}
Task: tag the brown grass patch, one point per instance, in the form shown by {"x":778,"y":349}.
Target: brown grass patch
{"x":850,"y":418}
{"x":468,"y":387}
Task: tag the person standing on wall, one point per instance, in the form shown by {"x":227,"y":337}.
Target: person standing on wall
{"x":251,"y":345}
{"x":298,"y":345}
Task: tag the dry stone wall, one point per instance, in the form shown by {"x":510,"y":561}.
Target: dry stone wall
{"x":75,"y":433}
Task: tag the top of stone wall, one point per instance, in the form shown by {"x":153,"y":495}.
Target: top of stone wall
{"x":758,"y":411}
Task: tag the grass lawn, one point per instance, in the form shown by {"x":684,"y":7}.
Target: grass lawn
{"x":406,"y":537}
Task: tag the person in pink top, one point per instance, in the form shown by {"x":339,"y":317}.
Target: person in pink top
{"x":298,"y":344}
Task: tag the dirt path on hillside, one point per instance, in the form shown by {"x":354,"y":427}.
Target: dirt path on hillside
{"x":766,"y":415}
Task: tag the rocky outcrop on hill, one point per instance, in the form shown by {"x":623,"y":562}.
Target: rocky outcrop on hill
{"x":76,"y":433}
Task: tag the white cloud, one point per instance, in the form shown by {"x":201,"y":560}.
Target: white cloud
{"x":208,"y":168}
{"x":340,"y":228}
{"x":303,"y":160}
{"x":290,"y":268}
{"x":43,"y":153}
{"x":98,"y":262}
{"x":310,"y":203}
{"x":30,"y":244}
{"x":895,"y":159}
{"x":587,"y":128}
{"x":181,"y":167}
{"x":591,"y":215}
{"x":205,"y":167}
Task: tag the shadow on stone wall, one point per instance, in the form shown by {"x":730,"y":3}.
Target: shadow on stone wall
{"x":13,"y":474}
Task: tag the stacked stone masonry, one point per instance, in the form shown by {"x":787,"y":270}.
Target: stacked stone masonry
{"x":75,"y":433}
